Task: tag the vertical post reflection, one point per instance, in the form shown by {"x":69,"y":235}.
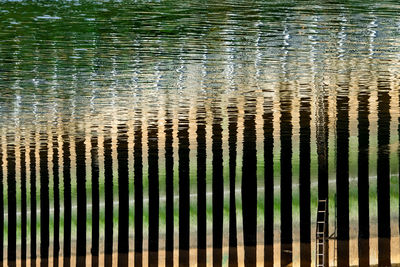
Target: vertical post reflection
{"x":81,"y":200}
{"x":56,"y":189}
{"x":249,"y":184}
{"x":12,"y":202}
{"x":342,"y":175}
{"x":154,"y":193}
{"x":232,"y":140}
{"x":286,"y":181}
{"x":138,"y":184}
{"x":383,"y":169}
{"x":123,"y":194}
{"x":44,"y":201}
{"x":67,"y":198}
{"x":363,"y":178}
{"x":268,"y":129}
{"x":322,"y":151}
{"x":217,"y":187}
{"x":23,"y":203}
{"x":184,"y":200}
{"x":169,"y":188}
{"x":1,"y":205}
{"x":305,"y":159}
{"x":95,"y":198}
{"x":108,"y":192}
{"x":201,"y":187}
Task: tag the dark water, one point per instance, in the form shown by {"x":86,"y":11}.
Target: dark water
{"x":197,"y":133}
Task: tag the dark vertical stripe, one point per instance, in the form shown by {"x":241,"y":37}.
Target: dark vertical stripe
{"x":217,"y":188}
{"x":154,"y":193}
{"x":249,"y":184}
{"x":201,"y":187}
{"x":138,"y":184}
{"x":383,"y":170}
{"x":123,"y":196}
{"x":286,"y":182}
{"x":81,"y":202}
{"x":322,"y":152}
{"x":169,"y":187}
{"x":232,"y":140}
{"x":1,"y":207}
{"x":342,"y":177}
{"x":95,"y":198}
{"x":67,"y":199}
{"x":32,"y":182}
{"x":56,"y":189}
{"x":108,"y":192}
{"x":184,"y":200}
{"x":363,"y":178}
{"x":23,"y":204}
{"x":268,"y":129}
{"x":305,"y":160}
{"x":44,"y":201}
{"x":12,"y":203}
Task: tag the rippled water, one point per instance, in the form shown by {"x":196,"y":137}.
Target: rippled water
{"x":177,"y":132}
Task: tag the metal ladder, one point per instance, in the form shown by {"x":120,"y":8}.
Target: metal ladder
{"x":321,"y":237}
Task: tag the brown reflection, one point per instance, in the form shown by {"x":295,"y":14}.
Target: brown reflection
{"x":169,"y":189}
{"x":81,"y":200}
{"x":249,"y":184}
{"x":217,"y":186}
{"x":56,"y":190}
{"x":305,"y":160}
{"x":286,"y":180}
{"x":1,"y":203}
{"x":184,"y":199}
{"x":154,"y":193}
{"x":383,"y":171}
{"x":44,"y":200}
{"x":201,"y":186}
{"x":123,"y":196}
{"x":32,"y":181}
{"x":12,"y":202}
{"x":94,"y":155}
{"x":268,"y":128}
{"x":138,"y":184}
{"x":23,"y":202}
{"x":232,"y":140}
{"x":322,"y":151}
{"x":108,"y":192}
{"x":363,"y":177}
{"x":342,"y":174}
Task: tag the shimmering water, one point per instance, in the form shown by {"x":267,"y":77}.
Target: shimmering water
{"x":195,"y":132}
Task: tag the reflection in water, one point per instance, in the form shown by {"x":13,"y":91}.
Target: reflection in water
{"x":383,"y":171}
{"x":232,"y":114}
{"x":169,"y":190}
{"x":183,"y":133}
{"x":12,"y":202}
{"x":304,"y":180}
{"x":44,"y":200}
{"x":342,"y":172}
{"x":67,"y":198}
{"x":138,"y":174}
{"x":363,"y":176}
{"x":108,"y":200}
{"x":183,"y":154}
{"x":201,"y":186}
{"x":94,"y":154}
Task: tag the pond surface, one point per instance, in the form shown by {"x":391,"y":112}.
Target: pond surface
{"x":199,"y":132}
